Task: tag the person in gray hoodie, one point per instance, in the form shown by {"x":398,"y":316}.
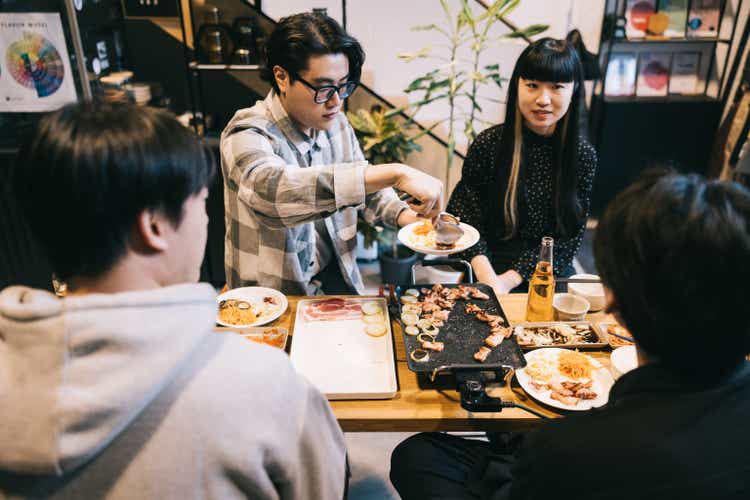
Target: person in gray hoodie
{"x":121,"y":390}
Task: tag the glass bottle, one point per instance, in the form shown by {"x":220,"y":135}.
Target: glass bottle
{"x":245,"y":33}
{"x":542,"y":286}
{"x":214,"y":38}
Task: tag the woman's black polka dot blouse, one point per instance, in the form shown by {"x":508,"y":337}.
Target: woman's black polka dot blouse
{"x":471,"y":202}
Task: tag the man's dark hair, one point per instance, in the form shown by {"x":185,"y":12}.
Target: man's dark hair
{"x":296,"y":38}
{"x":675,"y":252}
{"x":89,"y":169}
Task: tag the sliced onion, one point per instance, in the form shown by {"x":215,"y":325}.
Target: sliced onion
{"x":411,"y":330}
{"x":408,"y":299}
{"x":412,"y":291}
{"x":409,"y":319}
{"x":371,"y":308}
{"x":420,"y":355}
{"x":431,"y":330}
{"x":375,"y":330}
{"x":412,"y":309}
{"x":424,"y":323}
{"x":425,"y":337}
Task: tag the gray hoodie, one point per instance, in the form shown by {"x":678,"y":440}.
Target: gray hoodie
{"x":132,"y":395}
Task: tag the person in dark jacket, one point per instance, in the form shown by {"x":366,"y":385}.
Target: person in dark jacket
{"x":673,"y":252}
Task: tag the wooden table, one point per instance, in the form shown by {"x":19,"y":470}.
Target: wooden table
{"x":415,"y":409}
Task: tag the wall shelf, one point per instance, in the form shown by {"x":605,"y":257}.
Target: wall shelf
{"x":196,"y":66}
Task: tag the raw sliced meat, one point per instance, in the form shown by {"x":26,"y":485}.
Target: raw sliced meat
{"x":332,"y":310}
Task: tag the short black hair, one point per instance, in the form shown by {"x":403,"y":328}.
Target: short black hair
{"x":90,"y":168}
{"x":300,"y":36}
{"x":675,"y":252}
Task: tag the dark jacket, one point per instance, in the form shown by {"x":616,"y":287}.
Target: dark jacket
{"x":656,"y":439}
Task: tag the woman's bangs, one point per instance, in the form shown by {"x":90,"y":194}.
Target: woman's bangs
{"x":556,"y":67}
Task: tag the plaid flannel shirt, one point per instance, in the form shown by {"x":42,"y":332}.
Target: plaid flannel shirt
{"x":277,"y":182}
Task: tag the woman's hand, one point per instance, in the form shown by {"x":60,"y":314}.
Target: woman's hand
{"x":504,"y":283}
{"x":500,"y":283}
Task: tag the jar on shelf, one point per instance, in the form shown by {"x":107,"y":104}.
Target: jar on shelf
{"x":214,"y":38}
{"x":245,"y":31}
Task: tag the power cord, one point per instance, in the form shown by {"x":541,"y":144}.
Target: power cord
{"x":511,"y":404}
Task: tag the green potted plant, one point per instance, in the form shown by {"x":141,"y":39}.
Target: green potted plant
{"x":459,"y":80}
{"x":384,"y":140}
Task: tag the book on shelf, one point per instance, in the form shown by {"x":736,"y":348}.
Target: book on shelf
{"x":621,"y":73}
{"x":683,"y":77}
{"x":677,"y":12}
{"x":637,"y":13}
{"x":703,"y":19}
{"x":653,"y":74}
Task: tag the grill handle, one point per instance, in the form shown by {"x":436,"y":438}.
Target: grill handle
{"x":444,"y":262}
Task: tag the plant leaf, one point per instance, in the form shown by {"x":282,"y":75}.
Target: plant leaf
{"x":528,"y":31}
{"x":420,"y":54}
{"x":509,"y":7}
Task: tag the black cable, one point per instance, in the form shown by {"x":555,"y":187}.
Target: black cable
{"x":511,"y":404}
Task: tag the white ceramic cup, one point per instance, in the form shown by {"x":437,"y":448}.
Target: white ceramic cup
{"x":569,"y":307}
{"x":592,"y":292}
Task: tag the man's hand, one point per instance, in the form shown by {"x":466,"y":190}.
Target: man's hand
{"x":426,"y":190}
{"x":409,"y":216}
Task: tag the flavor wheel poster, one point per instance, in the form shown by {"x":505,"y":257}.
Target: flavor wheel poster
{"x":35,"y":72}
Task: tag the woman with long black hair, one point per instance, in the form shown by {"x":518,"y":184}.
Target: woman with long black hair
{"x":532,"y":175}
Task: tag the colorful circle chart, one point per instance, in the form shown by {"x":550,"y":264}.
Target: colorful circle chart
{"x":34,"y":62}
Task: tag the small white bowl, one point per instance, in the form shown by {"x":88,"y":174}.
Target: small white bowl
{"x":569,"y":307}
{"x":623,"y":360}
{"x":592,"y":292}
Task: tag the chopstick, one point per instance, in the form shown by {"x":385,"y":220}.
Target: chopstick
{"x":622,"y":337}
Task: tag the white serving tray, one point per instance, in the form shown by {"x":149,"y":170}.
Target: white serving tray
{"x":341,"y":360}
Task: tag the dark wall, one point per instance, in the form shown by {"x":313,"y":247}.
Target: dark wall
{"x":21,"y":260}
{"x":632,"y":135}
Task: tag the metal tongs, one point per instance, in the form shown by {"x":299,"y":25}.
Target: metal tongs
{"x":447,"y":230}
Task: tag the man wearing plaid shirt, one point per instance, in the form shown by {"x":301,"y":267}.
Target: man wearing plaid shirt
{"x":295,"y":177}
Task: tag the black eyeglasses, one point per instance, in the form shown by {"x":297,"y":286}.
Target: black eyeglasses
{"x":324,"y":93}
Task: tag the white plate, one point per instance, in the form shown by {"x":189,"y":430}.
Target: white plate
{"x":469,"y":239}
{"x":254,"y":295}
{"x":602,"y":382}
{"x":624,"y":359}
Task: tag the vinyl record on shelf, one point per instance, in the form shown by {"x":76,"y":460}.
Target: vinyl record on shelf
{"x":653,"y":73}
{"x":34,"y":62}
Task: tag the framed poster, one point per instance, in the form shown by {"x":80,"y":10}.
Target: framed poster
{"x":677,"y":12}
{"x":653,"y":74}
{"x":35,"y":71}
{"x":621,"y":73}
{"x":637,"y":12}
{"x":703,"y":19}
{"x":683,"y":78}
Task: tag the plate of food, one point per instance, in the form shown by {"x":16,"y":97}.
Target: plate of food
{"x":420,"y":237}
{"x":575,"y":334}
{"x":250,"y":306}
{"x":565,"y":379}
{"x":617,"y":335}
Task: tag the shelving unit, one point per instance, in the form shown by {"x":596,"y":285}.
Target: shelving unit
{"x":635,"y":131}
{"x":712,"y":76}
{"x":203,"y":77}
